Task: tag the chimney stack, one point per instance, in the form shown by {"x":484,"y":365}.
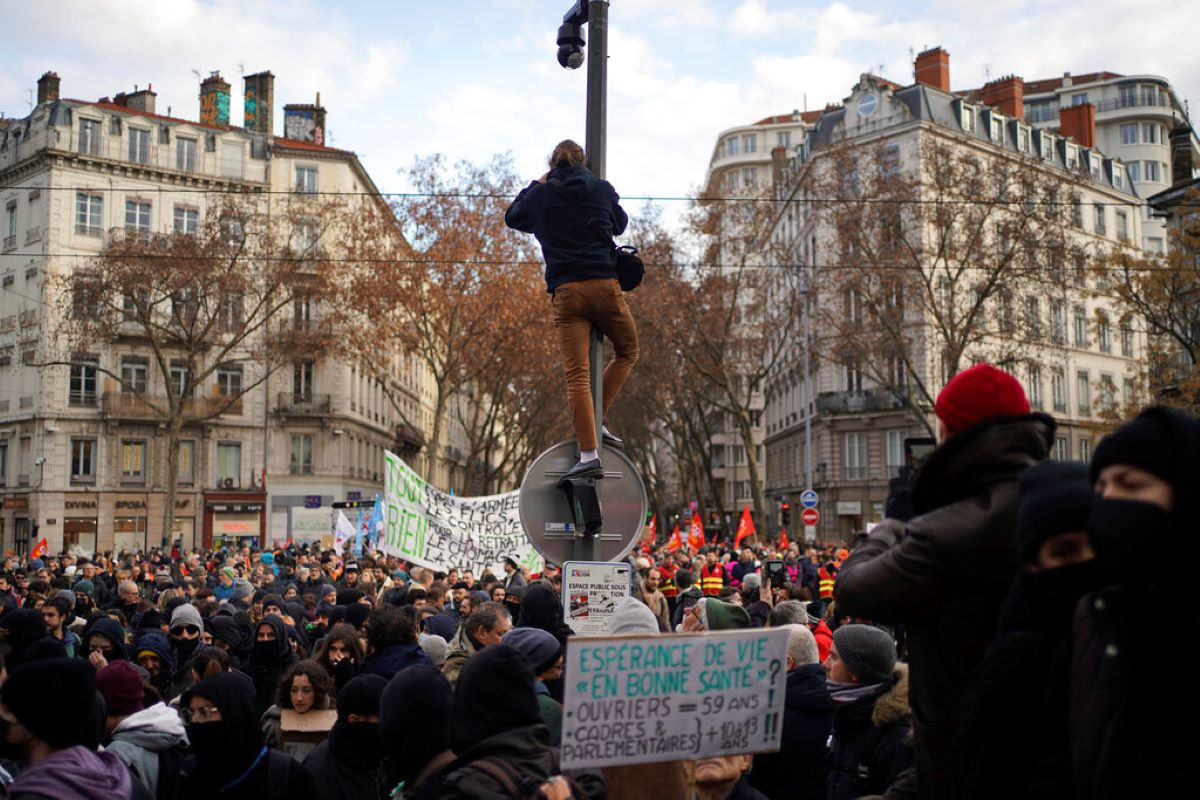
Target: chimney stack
{"x":47,"y":88}
{"x":214,"y":100}
{"x":305,"y":122}
{"x":142,"y":100}
{"x":1079,"y":123}
{"x":1006,"y":94}
{"x":259,"y":107}
{"x":932,"y":68}
{"x":1181,"y":155}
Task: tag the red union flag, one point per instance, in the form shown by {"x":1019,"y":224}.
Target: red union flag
{"x":783,"y":539}
{"x":676,"y":541}
{"x":745,"y":527}
{"x":695,"y":532}
{"x":40,"y":549}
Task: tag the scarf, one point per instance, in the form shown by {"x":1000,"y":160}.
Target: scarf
{"x":849,"y":692}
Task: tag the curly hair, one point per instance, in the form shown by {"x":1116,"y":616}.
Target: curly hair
{"x":347,"y":635}
{"x":324,"y":693}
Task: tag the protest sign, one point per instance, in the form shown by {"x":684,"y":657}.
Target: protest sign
{"x":428,"y":527}
{"x":644,"y":699}
{"x":591,"y":590}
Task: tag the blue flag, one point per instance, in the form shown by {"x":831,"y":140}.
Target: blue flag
{"x":375,"y":524}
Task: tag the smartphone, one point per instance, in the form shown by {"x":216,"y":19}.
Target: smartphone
{"x":776,"y":573}
{"x":917,"y":450}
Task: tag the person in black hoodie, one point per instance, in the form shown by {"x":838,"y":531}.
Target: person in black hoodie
{"x":574,"y":216}
{"x":270,"y":657}
{"x":229,"y":758}
{"x":797,"y":771}
{"x":392,"y":641}
{"x":414,"y":752}
{"x":233,"y":636}
{"x":344,"y":765}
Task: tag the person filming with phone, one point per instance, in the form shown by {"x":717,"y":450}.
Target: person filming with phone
{"x":574,"y":216}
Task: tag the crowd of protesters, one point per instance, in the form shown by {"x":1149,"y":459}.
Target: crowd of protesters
{"x":995,"y":637}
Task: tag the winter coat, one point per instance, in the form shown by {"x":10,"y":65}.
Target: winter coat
{"x":75,"y":773}
{"x":552,"y":713}
{"x":267,"y":669}
{"x":824,"y":638}
{"x":798,"y":770}
{"x":458,"y":652}
{"x":573,"y":215}
{"x":945,"y":573}
{"x":394,"y":658}
{"x":140,"y":738}
{"x":341,"y":770}
{"x":870,"y":741}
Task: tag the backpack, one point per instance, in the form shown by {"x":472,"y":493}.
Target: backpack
{"x":558,"y":787}
{"x":169,"y":762}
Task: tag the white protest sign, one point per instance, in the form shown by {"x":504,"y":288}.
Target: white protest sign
{"x":431,"y":528}
{"x":643,"y":699}
{"x":591,"y":590}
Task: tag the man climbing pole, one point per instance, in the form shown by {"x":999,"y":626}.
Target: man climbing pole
{"x":574,"y":216}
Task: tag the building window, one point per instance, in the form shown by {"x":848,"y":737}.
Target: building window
{"x":89,"y":137}
{"x":749,"y":143}
{"x":783,"y":138}
{"x":231,"y":159}
{"x":895,"y":452}
{"x":1127,"y":392}
{"x":852,"y":377}
{"x":229,"y":464}
{"x":1108,"y":394}
{"x":1155,"y":245}
{"x":732,"y":146}
{"x":302,"y":381}
{"x":1122,"y":226}
{"x":1023,"y":139}
{"x":139,"y":145}
{"x":89,"y":213}
{"x":137,"y":216}
{"x":1150,"y":133}
{"x":229,"y":380}
{"x":82,"y":383}
{"x":1129,"y":133}
{"x":1058,"y":389}
{"x":83,"y":461}
{"x":855,"y":455}
{"x":1127,"y":341}
{"x":306,"y":179}
{"x":1062,"y":449}
{"x":187,"y":220}
{"x":133,"y":461}
{"x":1081,"y":327}
{"x":185,"y":154}
{"x":1135,"y":171}
{"x":968,"y":118}
{"x":1104,"y":335}
{"x":1033,"y":317}
{"x":302,"y":454}
{"x":177,"y":379}
{"x":135,"y":376}
{"x":1150,"y":171}
{"x":1083,"y":393}
{"x":1034,"y":387}
{"x":1079,"y":99}
{"x":3,"y":464}
{"x":1118,"y":176}
{"x":1085,"y":450}
{"x":1058,"y":322}
{"x":186,"y":474}
{"x":1047,"y":146}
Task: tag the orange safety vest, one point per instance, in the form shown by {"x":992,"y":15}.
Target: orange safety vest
{"x":711,"y":583}
{"x":825,"y":585}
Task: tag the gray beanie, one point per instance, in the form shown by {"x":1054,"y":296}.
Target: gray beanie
{"x":186,"y":614}
{"x":632,"y":616}
{"x":243,"y":588}
{"x":68,"y":595}
{"x":752,"y":582}
{"x":435,"y":647}
{"x":867,"y":651}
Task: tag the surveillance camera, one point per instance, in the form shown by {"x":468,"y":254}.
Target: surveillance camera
{"x":570,"y":57}
{"x":570,"y":45}
{"x":37,"y":462}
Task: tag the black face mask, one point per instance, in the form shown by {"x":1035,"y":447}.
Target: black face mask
{"x":184,"y":648}
{"x":365,"y":741}
{"x":11,"y":751}
{"x":210,"y":742}
{"x":344,"y":671}
{"x":1123,"y":532}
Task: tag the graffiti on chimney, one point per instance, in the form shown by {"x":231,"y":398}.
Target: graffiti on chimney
{"x":214,"y":108}
{"x":251,"y":107}
{"x":301,"y":125}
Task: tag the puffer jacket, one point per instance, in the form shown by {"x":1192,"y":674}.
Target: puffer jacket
{"x":140,"y":738}
{"x":870,"y":741}
{"x":944,"y":574}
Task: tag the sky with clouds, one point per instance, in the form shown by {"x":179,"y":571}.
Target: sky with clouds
{"x":472,"y":78}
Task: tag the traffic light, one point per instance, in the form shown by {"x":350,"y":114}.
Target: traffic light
{"x":785,"y":510}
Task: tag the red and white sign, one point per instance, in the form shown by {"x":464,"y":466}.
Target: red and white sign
{"x":810,"y":516}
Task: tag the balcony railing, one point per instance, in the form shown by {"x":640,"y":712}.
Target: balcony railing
{"x":131,"y":406}
{"x":304,"y":404}
{"x":857,"y":402}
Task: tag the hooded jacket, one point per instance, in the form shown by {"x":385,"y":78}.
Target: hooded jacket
{"x":110,"y":629}
{"x":141,"y":737}
{"x":267,"y":664}
{"x":419,"y":693}
{"x":238,"y":765}
{"x":234,"y":632}
{"x":344,"y":766}
{"x":869,"y":741}
{"x":157,"y":643}
{"x":75,"y":773}
{"x":574,"y":216}
{"x":944,"y":573}
{"x":394,"y":658}
{"x":797,"y":770}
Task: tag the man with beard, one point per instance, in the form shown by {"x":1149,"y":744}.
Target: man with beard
{"x":186,"y":626}
{"x":152,"y":652}
{"x":344,"y":765}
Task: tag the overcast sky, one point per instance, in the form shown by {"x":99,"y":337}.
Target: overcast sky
{"x":471,"y":78}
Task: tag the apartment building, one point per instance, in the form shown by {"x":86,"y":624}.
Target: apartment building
{"x":82,"y":463}
{"x":1077,"y":359}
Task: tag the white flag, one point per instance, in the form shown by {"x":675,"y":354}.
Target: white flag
{"x":343,"y":531}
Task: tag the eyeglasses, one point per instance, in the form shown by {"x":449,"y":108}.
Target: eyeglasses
{"x":190,"y":630}
{"x":200,"y":715}
{"x":99,"y":648}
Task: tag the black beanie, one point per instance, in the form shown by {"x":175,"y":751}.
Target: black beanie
{"x":357,"y":614}
{"x":1056,"y":497}
{"x":47,"y":697}
{"x":360,"y":696}
{"x":1146,"y":442}
{"x":495,"y":694}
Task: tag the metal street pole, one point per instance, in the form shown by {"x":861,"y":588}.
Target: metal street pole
{"x":595,"y":143}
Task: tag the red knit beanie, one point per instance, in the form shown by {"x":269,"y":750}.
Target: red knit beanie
{"x":978,"y":394}
{"x":121,"y":685}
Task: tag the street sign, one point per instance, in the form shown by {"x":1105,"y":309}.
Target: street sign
{"x":591,"y":590}
{"x":312,"y":501}
{"x":809,"y":498}
{"x":810,"y":516}
{"x":548,"y":519}
{"x":354,"y":495}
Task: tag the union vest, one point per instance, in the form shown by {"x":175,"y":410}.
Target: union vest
{"x":825,"y":586}
{"x":712,"y":581}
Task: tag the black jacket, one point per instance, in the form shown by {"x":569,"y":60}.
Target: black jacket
{"x":343,"y":769}
{"x":869,"y":741}
{"x":798,"y":769}
{"x":573,"y":215}
{"x":944,"y":574}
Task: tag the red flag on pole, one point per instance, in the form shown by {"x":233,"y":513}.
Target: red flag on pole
{"x":745,"y":527}
{"x":676,"y":541}
{"x":695,"y":532}
{"x":40,"y":548}
{"x":783,"y":539}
